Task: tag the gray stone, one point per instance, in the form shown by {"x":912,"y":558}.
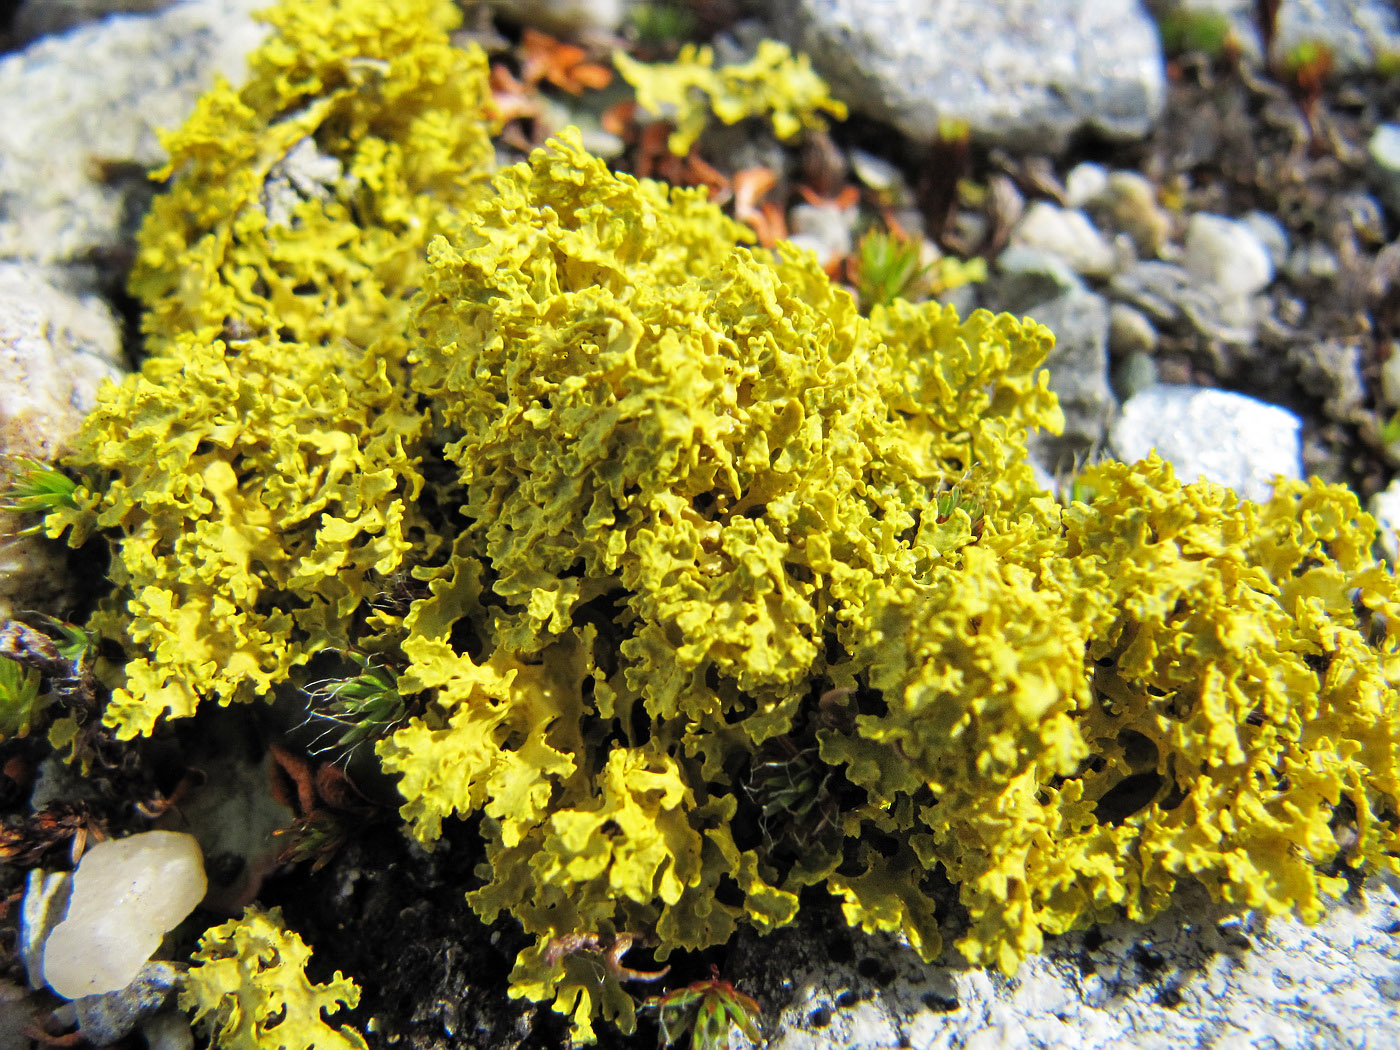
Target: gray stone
{"x":1191,"y":977}
{"x":104,"y":1019}
{"x":1225,"y":437}
{"x":1026,"y":276}
{"x":1078,"y":368}
{"x":1172,"y":300}
{"x":1383,"y":152}
{"x":56,"y":347}
{"x":81,"y":114}
{"x":1359,"y":33}
{"x":1026,"y":74}
{"x":37,"y":18}
{"x":1134,"y":374}
{"x":826,"y":230}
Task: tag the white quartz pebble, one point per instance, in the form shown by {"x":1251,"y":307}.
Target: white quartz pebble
{"x":127,"y":893}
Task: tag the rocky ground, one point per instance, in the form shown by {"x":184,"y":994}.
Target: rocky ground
{"x":1201,"y":200}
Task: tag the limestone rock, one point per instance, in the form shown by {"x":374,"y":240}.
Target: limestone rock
{"x":1226,"y":437}
{"x":1026,"y":74}
{"x":81,"y":114}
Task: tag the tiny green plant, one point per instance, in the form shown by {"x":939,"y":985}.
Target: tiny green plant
{"x":34,"y":487}
{"x":20,"y":698}
{"x":706,"y":1011}
{"x":888,"y":266}
{"x":359,"y":709}
{"x":1207,"y":32}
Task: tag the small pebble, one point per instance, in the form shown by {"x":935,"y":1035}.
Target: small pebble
{"x":1226,"y":256}
{"x":1384,"y":153}
{"x":1270,"y":233}
{"x":1068,"y":234}
{"x":1129,"y":332}
{"x":1084,"y":183}
{"x":1129,"y":203}
{"x":104,"y":1019}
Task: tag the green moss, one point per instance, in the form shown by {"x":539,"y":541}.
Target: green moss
{"x":658,"y":508}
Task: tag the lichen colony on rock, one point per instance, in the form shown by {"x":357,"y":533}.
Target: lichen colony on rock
{"x":668,"y":514}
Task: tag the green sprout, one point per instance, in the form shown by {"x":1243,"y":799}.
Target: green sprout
{"x":887,"y":267}
{"x":36,"y":488}
{"x":365,"y":707}
{"x":662,"y":23}
{"x":792,"y":788}
{"x":706,"y":1010}
{"x":19,"y":698}
{"x":1390,"y":430}
{"x":1208,"y":32}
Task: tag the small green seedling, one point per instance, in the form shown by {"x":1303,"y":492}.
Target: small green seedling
{"x":36,"y":488}
{"x":706,"y":1010}
{"x":887,"y":267}
{"x":20,"y":698}
{"x":359,"y":709}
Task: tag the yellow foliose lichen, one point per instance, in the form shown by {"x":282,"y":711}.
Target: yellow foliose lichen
{"x":247,"y":987}
{"x":774,"y":83}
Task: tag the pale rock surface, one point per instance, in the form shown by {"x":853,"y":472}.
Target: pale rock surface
{"x":81,"y":115}
{"x":1190,"y":978}
{"x":1227,"y":438}
{"x":1226,"y":256}
{"x":127,"y":894}
{"x":1067,"y":233}
{"x":567,"y":17}
{"x":1026,"y":74}
{"x":1385,"y":508}
{"x":56,"y":348}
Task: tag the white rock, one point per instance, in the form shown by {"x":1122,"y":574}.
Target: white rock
{"x":1385,"y":508}
{"x":1182,"y":980}
{"x":127,"y":894}
{"x":1222,"y":436}
{"x":1384,"y":152}
{"x":1068,"y":234}
{"x":1226,"y":257}
{"x":92,"y":99}
{"x":1085,"y":182}
{"x":1023,"y":73}
{"x":1271,"y":234}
